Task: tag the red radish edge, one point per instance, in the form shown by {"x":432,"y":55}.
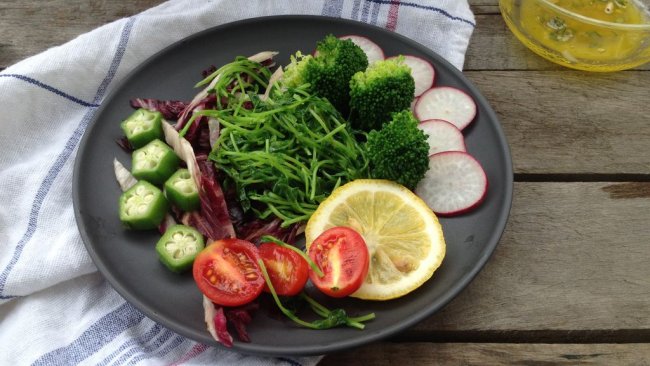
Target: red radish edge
{"x":450,"y":172}
{"x":449,"y":137}
{"x":447,"y":103}
{"x":372,"y":50}
{"x":413,"y":103}
{"x":422,"y":71}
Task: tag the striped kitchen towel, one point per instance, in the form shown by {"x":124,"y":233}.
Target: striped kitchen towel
{"x":55,"y":308}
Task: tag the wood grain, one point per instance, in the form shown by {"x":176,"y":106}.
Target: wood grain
{"x":574,"y":258}
{"x":29,"y":27}
{"x":484,"y":6}
{"x":443,"y":354}
{"x":492,"y":46}
{"x":571,"y":123}
{"x":571,"y":267}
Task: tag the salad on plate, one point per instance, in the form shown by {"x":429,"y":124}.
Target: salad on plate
{"x":355,"y":152}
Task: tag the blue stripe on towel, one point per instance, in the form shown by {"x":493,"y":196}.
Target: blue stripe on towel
{"x":143,"y":338}
{"x":149,"y":353}
{"x":429,"y":8}
{"x":365,"y":11}
{"x":49,"y":88}
{"x":165,"y":335}
{"x":94,"y":338}
{"x":63,"y":157}
{"x":355,"y":10}
{"x":375,"y":13}
{"x":289,"y":361}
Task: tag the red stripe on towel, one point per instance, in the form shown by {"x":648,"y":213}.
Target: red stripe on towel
{"x":391,"y":23}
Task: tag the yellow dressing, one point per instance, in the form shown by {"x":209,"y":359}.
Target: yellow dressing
{"x":582,"y":44}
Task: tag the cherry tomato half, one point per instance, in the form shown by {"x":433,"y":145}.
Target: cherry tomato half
{"x":227,"y":272}
{"x":342,"y":255}
{"x":287,"y":270}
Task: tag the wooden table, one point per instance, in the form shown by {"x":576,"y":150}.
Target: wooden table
{"x":570,"y":280}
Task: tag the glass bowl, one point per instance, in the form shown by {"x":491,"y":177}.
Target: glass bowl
{"x":592,"y":35}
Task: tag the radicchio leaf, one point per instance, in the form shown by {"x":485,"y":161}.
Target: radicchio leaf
{"x":170,"y":109}
{"x":253,"y":230}
{"x":240,"y":317}
{"x":124,"y":177}
{"x":213,"y":129}
{"x":214,"y":209}
{"x":183,"y":149}
{"x":216,"y":322}
{"x":272,"y":80}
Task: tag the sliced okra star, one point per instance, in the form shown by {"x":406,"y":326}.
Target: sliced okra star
{"x":178,"y":247}
{"x":155,"y":162}
{"x":181,"y":191}
{"x":142,"y":127}
{"x":142,"y":206}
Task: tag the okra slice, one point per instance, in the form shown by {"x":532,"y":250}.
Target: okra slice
{"x":142,"y":127}
{"x":142,"y":206}
{"x":178,"y":247}
{"x":181,"y":191}
{"x":155,"y":162}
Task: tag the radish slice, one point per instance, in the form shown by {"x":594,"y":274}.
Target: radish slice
{"x":442,"y":136}
{"x":447,"y":103}
{"x":422,"y":71}
{"x":372,"y":50}
{"x":454,"y":184}
{"x":413,"y":103}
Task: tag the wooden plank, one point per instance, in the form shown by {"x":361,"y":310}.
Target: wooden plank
{"x":484,"y":6}
{"x":29,"y":27}
{"x":441,"y":354}
{"x":492,"y":46}
{"x":570,"y":122}
{"x":573,"y":260}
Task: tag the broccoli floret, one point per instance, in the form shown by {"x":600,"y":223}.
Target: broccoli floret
{"x":294,"y":74}
{"x":384,"y":88}
{"x":399,"y":151}
{"x":330,"y":71}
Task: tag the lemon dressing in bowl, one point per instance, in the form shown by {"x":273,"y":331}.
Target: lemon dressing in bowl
{"x":593,"y":35}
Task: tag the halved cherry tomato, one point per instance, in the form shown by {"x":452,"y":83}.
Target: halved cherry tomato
{"x":287,"y":270}
{"x":227,"y":272}
{"x":342,"y":255}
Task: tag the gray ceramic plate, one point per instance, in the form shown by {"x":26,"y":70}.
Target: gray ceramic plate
{"x":128,"y":261}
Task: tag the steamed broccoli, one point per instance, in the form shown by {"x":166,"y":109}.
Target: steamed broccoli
{"x":384,"y":88}
{"x":330,"y":71}
{"x":399,"y":151}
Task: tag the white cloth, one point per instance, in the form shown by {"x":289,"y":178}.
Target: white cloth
{"x":55,"y":308}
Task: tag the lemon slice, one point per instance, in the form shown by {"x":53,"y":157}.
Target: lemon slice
{"x":403,"y":235}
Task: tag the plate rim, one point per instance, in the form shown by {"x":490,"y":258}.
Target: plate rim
{"x":251,"y":348}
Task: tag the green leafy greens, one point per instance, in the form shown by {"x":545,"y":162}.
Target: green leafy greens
{"x":287,"y":153}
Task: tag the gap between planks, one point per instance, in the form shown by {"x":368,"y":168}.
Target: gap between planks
{"x":595,"y":336}
{"x":579,"y":177}
{"x":386,"y":353}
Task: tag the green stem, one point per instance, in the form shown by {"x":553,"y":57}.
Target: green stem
{"x":284,"y":310}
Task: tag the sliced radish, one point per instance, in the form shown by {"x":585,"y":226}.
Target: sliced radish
{"x":447,"y":103}
{"x":372,"y":50}
{"x":454,"y":184}
{"x":413,"y":103}
{"x":422,"y":71}
{"x":442,"y":136}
